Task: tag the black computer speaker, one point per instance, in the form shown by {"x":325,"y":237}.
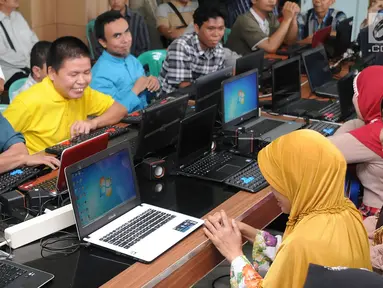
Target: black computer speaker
{"x":153,"y":168}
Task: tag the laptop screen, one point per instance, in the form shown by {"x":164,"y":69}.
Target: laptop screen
{"x":286,"y":81}
{"x":103,"y":186}
{"x":196,"y":135}
{"x":317,"y":68}
{"x":240,"y":96}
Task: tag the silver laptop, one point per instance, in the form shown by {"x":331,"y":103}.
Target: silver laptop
{"x":108,"y":211}
{"x":240,"y":109}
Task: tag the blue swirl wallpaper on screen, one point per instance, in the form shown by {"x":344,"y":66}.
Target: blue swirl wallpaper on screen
{"x":103,"y":186}
{"x":240,"y":97}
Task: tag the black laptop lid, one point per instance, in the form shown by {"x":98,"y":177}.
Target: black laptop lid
{"x":343,"y":36}
{"x":346,"y":92}
{"x":210,"y":83}
{"x":249,"y":62}
{"x":160,"y":126}
{"x":240,"y":99}
{"x":317,"y":67}
{"x":286,"y":82}
{"x":196,"y":136}
{"x":102,"y":188}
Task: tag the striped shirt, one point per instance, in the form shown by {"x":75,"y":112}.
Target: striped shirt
{"x":186,"y":61}
{"x":140,"y":35}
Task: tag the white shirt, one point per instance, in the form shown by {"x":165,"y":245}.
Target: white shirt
{"x":263,"y":24}
{"x":23,"y":39}
{"x":1,"y":74}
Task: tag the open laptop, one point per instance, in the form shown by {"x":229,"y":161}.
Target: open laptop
{"x":343,"y":37}
{"x":71,"y":155}
{"x":319,"y":74}
{"x":159,"y":127}
{"x":108,"y":210}
{"x":287,"y":90}
{"x":240,"y":108}
{"x":343,"y":109}
{"x":320,"y":37}
{"x":195,"y":157}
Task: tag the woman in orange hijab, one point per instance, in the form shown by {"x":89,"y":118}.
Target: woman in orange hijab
{"x":307,"y":173}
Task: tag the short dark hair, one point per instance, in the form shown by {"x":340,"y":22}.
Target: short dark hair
{"x":63,"y":48}
{"x":39,"y":53}
{"x":207,"y":11}
{"x":103,"y":19}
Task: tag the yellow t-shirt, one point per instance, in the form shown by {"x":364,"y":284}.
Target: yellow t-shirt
{"x":44,"y":117}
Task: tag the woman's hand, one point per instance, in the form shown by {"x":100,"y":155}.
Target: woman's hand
{"x":225,"y":235}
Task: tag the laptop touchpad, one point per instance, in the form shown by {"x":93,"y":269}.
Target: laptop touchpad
{"x":229,"y":169}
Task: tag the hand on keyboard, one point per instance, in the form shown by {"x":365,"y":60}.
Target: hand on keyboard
{"x":82,"y":127}
{"x":38,"y":159}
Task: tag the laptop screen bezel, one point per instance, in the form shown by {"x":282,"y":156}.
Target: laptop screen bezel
{"x":193,"y":156}
{"x":277,"y":104}
{"x":100,"y":140}
{"x":249,"y":115}
{"x":142,"y":149}
{"x":83,"y":232}
{"x":309,"y":53}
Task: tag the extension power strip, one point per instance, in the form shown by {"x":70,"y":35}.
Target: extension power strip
{"x":40,"y":226}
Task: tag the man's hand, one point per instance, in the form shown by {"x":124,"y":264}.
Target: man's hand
{"x":38,"y":159}
{"x":2,"y":85}
{"x":376,"y":6}
{"x":153,"y":84}
{"x":225,"y":236}
{"x":288,"y":10}
{"x":140,"y":85}
{"x":296,"y":9}
{"x":82,"y":127}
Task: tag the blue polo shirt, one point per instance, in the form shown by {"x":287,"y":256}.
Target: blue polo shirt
{"x":8,"y":136}
{"x":116,"y":77}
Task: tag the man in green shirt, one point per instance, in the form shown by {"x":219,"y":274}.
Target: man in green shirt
{"x":260,"y":28}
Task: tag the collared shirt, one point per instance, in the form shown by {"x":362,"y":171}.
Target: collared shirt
{"x":23,"y":39}
{"x":116,"y":77}
{"x":307,"y":26}
{"x":168,"y":18}
{"x":8,"y":136}
{"x":186,"y":61}
{"x":139,"y":31}
{"x":28,"y":83}
{"x":263,"y":23}
{"x":45,"y":117}
{"x":247,"y":33}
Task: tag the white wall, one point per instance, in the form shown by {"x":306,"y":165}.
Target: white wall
{"x":356,"y":8}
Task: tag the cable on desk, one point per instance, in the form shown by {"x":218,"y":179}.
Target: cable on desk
{"x":7,"y":255}
{"x":218,"y":278}
{"x":47,"y":244}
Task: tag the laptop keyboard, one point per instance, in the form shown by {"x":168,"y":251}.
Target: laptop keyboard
{"x":249,"y":179}
{"x":332,"y":112}
{"x":326,"y":129}
{"x":14,"y":178}
{"x":48,"y":185}
{"x":207,"y":163}
{"x":9,"y":273}
{"x":137,"y":229}
{"x":264,"y":126}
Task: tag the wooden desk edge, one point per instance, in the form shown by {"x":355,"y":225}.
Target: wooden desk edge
{"x":240,"y":206}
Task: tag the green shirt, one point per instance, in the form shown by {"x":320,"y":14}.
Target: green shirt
{"x":246,"y":33}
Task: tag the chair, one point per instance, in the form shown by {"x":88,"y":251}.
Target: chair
{"x":89,"y":32}
{"x":226,"y":35}
{"x":14,"y":87}
{"x":153,"y":60}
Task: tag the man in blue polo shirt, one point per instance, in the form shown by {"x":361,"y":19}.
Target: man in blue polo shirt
{"x":117,"y":72}
{"x":14,"y":153}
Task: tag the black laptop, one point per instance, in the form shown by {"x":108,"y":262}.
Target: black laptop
{"x":195,"y":156}
{"x":343,"y":109}
{"x":287,"y":90}
{"x":319,"y":74}
{"x":343,"y":37}
{"x":159,"y":127}
{"x":240,"y":109}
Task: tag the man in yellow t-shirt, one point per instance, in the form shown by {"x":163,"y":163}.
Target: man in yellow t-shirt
{"x":57,"y":108}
